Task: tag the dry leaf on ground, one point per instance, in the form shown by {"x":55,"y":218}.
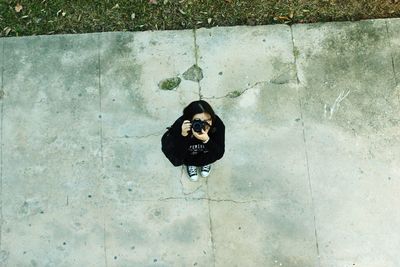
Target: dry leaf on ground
{"x":7,"y":31}
{"x":18,"y":8}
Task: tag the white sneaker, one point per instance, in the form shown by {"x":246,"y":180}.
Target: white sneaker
{"x":205,"y":170}
{"x":192,"y":172}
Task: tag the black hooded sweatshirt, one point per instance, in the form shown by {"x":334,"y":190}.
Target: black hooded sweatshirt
{"x":191,"y":151}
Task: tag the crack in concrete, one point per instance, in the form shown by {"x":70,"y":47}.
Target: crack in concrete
{"x":294,"y":56}
{"x":101,"y":147}
{"x":180,"y":180}
{"x":196,"y":57}
{"x":208,"y":199}
{"x":309,"y":183}
{"x":235,"y":94}
{"x":196,"y":48}
{"x":158,"y":133}
{"x":182,"y":186}
{"x":192,"y":192}
{"x":214,"y":248}
{"x":305,"y":148}
{"x":100,"y":103}
{"x":391,"y":54}
{"x":104,"y":238}
{"x":396,"y":82}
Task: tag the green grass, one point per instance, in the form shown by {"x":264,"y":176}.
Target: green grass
{"x":81,"y":16}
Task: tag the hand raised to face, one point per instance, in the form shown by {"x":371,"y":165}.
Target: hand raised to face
{"x":186,"y":126}
{"x":203,"y":136}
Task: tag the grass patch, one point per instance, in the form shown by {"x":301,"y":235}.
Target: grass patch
{"x":37,"y":17}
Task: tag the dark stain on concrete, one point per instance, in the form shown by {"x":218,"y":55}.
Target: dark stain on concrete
{"x":282,"y":78}
{"x":194,"y":73}
{"x":234,"y":94}
{"x":185,"y":231}
{"x":170,"y":83}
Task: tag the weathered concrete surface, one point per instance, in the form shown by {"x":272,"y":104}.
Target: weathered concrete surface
{"x":265,"y":159}
{"x":309,"y":178}
{"x":350,"y":108}
{"x":234,"y":59}
{"x":132,"y":66}
{"x":51,"y":126}
{"x":263,"y":233}
{"x":153,"y":233}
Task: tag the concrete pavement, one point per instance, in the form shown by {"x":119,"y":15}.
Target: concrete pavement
{"x":310,"y":175}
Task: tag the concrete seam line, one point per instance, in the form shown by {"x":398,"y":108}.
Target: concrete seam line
{"x":100,"y":100}
{"x":101,"y":147}
{"x":196,"y":57}
{"x":391,"y":53}
{"x":294,"y":55}
{"x":211,"y":225}
{"x":309,"y":182}
{"x":305,"y":148}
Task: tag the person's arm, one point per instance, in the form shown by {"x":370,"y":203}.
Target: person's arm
{"x":180,"y":142}
{"x":216,"y":142}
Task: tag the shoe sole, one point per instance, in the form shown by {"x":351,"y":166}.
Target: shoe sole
{"x":193,"y":180}
{"x":205,"y":176}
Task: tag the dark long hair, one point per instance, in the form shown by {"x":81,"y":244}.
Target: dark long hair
{"x":197,"y":107}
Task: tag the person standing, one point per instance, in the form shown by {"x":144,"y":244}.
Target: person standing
{"x":196,"y":139}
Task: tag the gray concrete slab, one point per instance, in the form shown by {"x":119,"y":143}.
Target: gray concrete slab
{"x":263,"y":233}
{"x":158,"y":233}
{"x":43,"y":161}
{"x":271,"y":114}
{"x":51,"y":151}
{"x":349,"y":106}
{"x":350,"y":60}
{"x":310,"y":175}
{"x":281,"y":166}
{"x":132,"y":67}
{"x":264,"y":165}
{"x":236,"y":58}
{"x":52,"y":132}
{"x":136,"y":170}
{"x":60,"y":68}
{"x":68,"y":236}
